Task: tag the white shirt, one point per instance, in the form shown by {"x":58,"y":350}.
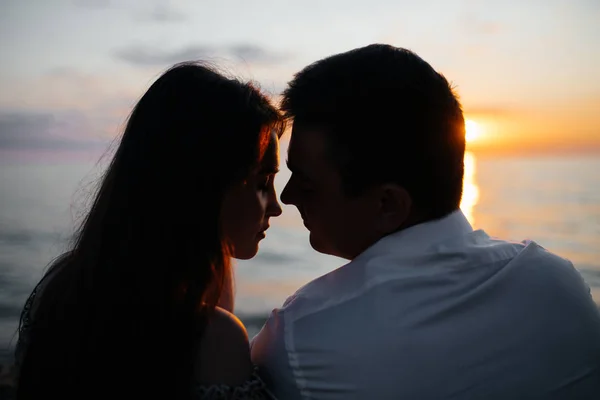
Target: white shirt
{"x":437,"y":311}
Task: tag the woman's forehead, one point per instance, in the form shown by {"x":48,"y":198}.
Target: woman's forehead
{"x":270,"y":159}
{"x":269,"y":163}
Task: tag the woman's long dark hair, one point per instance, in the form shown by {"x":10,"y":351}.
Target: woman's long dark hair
{"x":125,"y":306}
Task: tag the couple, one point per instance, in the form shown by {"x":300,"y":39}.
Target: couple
{"x":426,"y":308}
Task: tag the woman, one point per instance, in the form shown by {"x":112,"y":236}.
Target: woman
{"x":131,"y":310}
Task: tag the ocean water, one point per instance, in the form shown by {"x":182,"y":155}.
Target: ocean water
{"x":554,"y":201}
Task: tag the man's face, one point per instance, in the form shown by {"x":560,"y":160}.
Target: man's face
{"x":339,"y":224}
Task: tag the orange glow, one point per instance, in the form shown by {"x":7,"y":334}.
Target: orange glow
{"x":473,"y":130}
{"x":572,"y":128}
{"x":470,"y":195}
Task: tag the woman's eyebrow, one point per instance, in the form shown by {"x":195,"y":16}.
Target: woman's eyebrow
{"x":269,"y":169}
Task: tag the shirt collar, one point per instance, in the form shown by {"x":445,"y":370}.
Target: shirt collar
{"x":421,"y":236}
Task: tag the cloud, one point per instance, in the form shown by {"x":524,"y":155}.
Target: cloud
{"x":46,"y":131}
{"x":146,"y":56}
{"x":163,"y":14}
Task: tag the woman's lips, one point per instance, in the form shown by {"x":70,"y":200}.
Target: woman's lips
{"x":263,"y":232}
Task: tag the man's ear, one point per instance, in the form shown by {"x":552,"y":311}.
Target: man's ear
{"x":394,"y":207}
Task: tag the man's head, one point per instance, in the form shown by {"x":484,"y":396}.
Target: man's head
{"x":377,"y":145}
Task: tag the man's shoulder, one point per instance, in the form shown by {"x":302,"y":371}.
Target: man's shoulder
{"x":528,"y":258}
{"x":537,"y":258}
{"x":359,"y":275}
{"x":546,"y":266}
{"x":486,"y":249}
{"x":324,"y":291}
{"x":525,"y":261}
{"x":540,"y":276}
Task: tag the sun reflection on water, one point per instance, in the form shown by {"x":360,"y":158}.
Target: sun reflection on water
{"x":470,"y":195}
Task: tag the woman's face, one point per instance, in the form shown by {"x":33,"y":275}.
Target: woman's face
{"x":249,"y":205}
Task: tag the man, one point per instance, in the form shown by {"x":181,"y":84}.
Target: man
{"x":426,"y":308}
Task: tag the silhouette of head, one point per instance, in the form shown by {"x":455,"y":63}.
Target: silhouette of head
{"x":377,"y":145}
{"x":190,"y":185}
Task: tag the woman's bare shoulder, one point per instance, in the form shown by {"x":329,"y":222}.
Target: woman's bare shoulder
{"x":224,"y":353}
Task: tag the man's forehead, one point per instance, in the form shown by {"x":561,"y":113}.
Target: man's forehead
{"x":306,"y":141}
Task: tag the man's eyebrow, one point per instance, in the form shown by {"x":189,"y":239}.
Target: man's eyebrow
{"x":290,"y":166}
{"x":295,"y":170}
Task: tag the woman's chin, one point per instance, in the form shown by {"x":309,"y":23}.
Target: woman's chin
{"x":246,"y":254}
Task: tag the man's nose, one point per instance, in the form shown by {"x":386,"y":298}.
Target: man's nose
{"x":286,"y":197}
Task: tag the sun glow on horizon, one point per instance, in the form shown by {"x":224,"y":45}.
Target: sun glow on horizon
{"x":470,"y":196}
{"x":472,"y":130}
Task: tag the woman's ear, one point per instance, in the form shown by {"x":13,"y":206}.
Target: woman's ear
{"x":394,"y":207}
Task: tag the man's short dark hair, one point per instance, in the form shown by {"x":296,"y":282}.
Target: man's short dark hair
{"x":388,"y":117}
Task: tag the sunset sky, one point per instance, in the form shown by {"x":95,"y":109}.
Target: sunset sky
{"x":527,"y":72}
